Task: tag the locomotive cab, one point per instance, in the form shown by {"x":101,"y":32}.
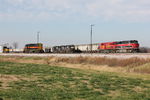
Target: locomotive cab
{"x":127,"y":46}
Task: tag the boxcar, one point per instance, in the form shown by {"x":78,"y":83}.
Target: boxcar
{"x":86,"y":48}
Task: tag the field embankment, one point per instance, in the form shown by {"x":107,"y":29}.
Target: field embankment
{"x":132,"y":65}
{"x":23,"y":81}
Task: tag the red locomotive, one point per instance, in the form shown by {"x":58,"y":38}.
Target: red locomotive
{"x":119,"y":46}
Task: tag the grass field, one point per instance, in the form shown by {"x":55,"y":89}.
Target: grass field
{"x":20,"y":81}
{"x":130,"y":65}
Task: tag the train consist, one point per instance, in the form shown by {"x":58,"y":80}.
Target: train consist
{"x":130,"y":46}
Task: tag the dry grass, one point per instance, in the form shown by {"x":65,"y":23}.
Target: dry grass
{"x":6,"y":79}
{"x":132,"y":62}
{"x":142,"y":69}
{"x":104,"y":64}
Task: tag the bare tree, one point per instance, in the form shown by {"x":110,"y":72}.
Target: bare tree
{"x":15,"y":45}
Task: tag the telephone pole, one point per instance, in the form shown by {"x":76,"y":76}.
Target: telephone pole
{"x":91,"y":37}
{"x":38,"y":36}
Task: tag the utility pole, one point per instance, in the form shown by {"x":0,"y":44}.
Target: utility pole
{"x":38,"y":36}
{"x":91,"y":36}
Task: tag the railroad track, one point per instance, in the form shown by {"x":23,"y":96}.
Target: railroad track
{"x":118,"y":55}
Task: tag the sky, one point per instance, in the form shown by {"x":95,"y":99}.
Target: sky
{"x":63,"y":22}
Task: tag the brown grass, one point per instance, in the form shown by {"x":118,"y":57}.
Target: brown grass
{"x":142,"y":69}
{"x":137,"y":65}
{"x":6,"y":79}
{"x":132,"y":62}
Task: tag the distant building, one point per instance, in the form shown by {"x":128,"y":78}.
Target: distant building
{"x":1,"y":49}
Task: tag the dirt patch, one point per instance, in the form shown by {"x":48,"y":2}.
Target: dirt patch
{"x":6,"y":79}
{"x":138,"y":89}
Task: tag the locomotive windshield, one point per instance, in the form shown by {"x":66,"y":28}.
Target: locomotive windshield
{"x":134,"y":41}
{"x":127,"y":42}
{"x":32,"y":45}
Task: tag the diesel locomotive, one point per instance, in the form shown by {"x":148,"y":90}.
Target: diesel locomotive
{"x":130,"y":46}
{"x":4,"y":49}
{"x":33,"y":48}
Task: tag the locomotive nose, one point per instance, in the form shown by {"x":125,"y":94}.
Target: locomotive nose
{"x":136,"y":46}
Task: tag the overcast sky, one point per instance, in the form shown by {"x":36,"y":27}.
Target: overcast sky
{"x":68,"y":21}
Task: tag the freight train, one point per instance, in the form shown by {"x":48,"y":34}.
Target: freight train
{"x":130,"y":46}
